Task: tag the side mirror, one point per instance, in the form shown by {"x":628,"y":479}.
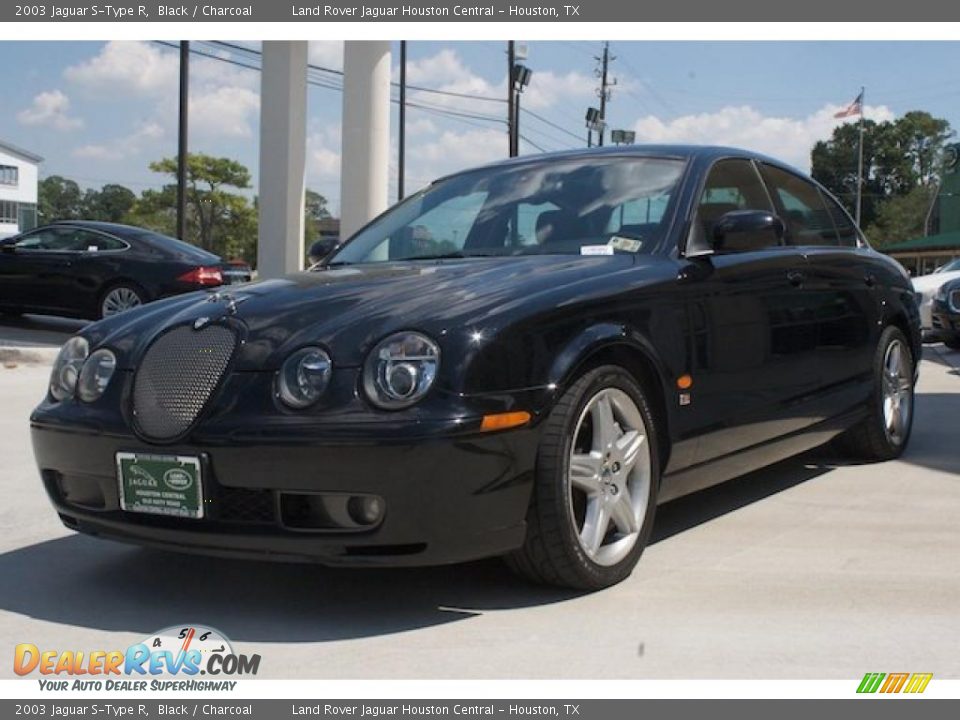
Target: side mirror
{"x":321,"y":248}
{"x":8,"y":245}
{"x":745,"y":230}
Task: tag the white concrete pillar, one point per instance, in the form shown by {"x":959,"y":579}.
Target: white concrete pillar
{"x":283,"y":150}
{"x":365,"y":155}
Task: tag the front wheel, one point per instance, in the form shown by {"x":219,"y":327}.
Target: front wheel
{"x":596,"y":485}
{"x":884,"y":433}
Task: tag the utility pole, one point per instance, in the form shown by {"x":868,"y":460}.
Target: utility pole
{"x":604,"y":91}
{"x":511,"y":110}
{"x":402,"y":141}
{"x":182,"y":140}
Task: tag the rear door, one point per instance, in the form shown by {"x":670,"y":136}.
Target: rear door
{"x":753,"y":329}
{"x":842,"y":287}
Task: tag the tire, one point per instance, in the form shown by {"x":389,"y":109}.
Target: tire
{"x":120,"y":297}
{"x":952,"y":342}
{"x":559,"y":548}
{"x":879,"y":437}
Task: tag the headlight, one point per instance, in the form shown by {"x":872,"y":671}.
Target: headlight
{"x":400,"y":370}
{"x":303,"y":377}
{"x":66,"y":370}
{"x":96,"y":374}
{"x":942,"y":293}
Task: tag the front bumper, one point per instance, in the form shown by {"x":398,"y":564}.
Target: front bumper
{"x":447,"y":498}
{"x":945,"y":320}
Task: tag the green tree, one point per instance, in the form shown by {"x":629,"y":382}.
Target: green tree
{"x":901,"y":217}
{"x":218,"y":220}
{"x":899,"y":157}
{"x":314,"y":210}
{"x":59,"y":199}
{"x":112,"y":203}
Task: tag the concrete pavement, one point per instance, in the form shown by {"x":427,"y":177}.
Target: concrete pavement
{"x":809,"y":569}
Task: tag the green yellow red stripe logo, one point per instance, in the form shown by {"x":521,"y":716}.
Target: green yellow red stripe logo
{"x":889,"y":683}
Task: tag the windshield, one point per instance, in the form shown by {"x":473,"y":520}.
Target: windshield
{"x":951,"y":266}
{"x":594,"y":206}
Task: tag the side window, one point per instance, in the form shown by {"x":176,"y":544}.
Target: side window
{"x":95,"y":242}
{"x":804,"y":209}
{"x":731,"y":185}
{"x":34,"y":241}
{"x":846,"y":230}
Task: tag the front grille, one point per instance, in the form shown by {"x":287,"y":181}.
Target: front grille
{"x":177,"y":376}
{"x":242,"y":505}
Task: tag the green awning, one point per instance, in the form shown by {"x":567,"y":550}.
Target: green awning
{"x":949,"y":241}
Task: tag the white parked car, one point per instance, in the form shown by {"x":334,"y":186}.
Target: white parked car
{"x":927,"y":287}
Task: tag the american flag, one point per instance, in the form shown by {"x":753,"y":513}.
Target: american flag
{"x":854,"y":108}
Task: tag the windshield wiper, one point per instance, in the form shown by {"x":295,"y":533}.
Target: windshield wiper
{"x":456,"y":255}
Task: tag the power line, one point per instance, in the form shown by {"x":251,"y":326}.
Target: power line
{"x":551,"y":123}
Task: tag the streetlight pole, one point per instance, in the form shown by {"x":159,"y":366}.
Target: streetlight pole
{"x":402,"y":140}
{"x":182,"y":158}
{"x":511,"y":98}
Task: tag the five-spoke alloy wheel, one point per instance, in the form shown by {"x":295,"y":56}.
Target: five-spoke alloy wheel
{"x":596,"y":482}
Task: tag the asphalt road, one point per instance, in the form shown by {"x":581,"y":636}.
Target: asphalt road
{"x":809,"y":569}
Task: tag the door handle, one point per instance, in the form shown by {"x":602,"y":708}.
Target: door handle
{"x":796,"y":278}
{"x":870,"y":280}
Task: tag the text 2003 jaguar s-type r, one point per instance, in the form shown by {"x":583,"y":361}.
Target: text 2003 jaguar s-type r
{"x":520,"y":360}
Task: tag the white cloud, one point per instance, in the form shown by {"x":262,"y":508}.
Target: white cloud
{"x":225,"y":111}
{"x":128,"y":68}
{"x":786,"y":138}
{"x":326,"y":53}
{"x":50,"y":109}
{"x":122,"y":147}
{"x":446,"y":71}
{"x":224,"y":98}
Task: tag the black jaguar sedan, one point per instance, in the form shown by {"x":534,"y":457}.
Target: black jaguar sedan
{"x":520,"y":360}
{"x":87,"y":269}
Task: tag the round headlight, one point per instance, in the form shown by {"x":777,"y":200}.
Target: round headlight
{"x":66,"y":370}
{"x":303,"y":377}
{"x":96,"y":374}
{"x":400,"y":370}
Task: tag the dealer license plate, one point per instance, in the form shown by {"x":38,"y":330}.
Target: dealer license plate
{"x":160,"y":484}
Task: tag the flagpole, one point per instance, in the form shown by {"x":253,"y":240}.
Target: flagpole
{"x":860,"y":159}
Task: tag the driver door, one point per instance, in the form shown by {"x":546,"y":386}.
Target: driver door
{"x":753,"y":331}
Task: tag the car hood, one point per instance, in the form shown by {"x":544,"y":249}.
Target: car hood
{"x":929,"y":284}
{"x":347,"y":309}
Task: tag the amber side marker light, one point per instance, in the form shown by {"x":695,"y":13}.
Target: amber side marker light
{"x":684,"y":382}
{"x":502,"y":421}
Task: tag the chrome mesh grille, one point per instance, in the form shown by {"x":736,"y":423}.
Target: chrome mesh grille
{"x":177,"y":376}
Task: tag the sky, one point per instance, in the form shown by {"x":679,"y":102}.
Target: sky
{"x":101,"y":112}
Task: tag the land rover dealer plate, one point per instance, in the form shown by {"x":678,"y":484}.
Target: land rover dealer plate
{"x":160,"y":484}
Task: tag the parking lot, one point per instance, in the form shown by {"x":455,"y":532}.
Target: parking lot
{"x":808,"y":569}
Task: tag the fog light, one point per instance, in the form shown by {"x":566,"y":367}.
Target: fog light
{"x":366,"y":509}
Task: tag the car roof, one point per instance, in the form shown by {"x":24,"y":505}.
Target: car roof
{"x":144,"y":235}
{"x":707,"y":153}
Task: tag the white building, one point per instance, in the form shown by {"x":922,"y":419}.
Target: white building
{"x":18,"y":189}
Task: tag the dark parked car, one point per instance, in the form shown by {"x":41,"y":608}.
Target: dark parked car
{"x":519,"y":360}
{"x":93,"y":270}
{"x":946,"y":314}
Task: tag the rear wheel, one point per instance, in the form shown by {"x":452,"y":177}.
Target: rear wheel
{"x":120,"y":298}
{"x":596,"y":485}
{"x":884,"y":433}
